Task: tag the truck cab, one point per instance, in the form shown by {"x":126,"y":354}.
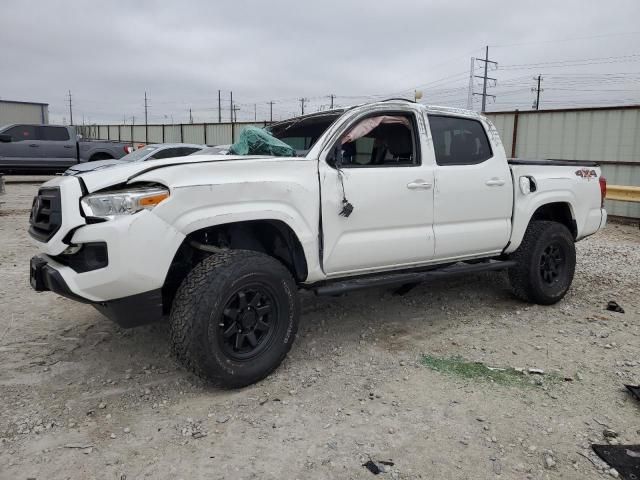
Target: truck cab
{"x":385,"y":194}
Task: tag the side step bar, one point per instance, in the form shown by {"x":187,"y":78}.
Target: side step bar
{"x":396,"y":279}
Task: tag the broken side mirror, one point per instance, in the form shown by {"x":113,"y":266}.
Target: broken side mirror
{"x":335,"y":157}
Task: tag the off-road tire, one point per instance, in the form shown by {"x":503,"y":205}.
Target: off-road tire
{"x":198,"y":310}
{"x":527,"y":277}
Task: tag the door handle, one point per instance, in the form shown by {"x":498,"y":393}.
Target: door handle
{"x":34,"y":145}
{"x":495,"y":182}
{"x":68,"y":146}
{"x":419,"y":184}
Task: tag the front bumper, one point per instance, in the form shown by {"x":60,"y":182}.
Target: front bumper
{"x":130,"y":311}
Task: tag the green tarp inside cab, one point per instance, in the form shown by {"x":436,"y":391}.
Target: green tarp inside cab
{"x":257,"y":141}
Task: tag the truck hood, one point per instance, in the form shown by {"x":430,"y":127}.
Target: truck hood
{"x":86,"y":167}
{"x":126,"y":172}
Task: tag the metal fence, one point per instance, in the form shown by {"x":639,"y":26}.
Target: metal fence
{"x":202,"y":133}
{"x":608,"y":135}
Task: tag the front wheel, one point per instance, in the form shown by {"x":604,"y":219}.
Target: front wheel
{"x":546,"y":262}
{"x":234,"y":317}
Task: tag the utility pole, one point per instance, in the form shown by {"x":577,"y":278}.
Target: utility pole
{"x":302,"y":100}
{"x":271,"y":111}
{"x":146,"y":118}
{"x":485,"y":78}
{"x":536,"y":103}
{"x":70,"y":110}
{"x":231,"y":107}
{"x":255,"y":113}
{"x":332,"y":96}
{"x":234,"y":113}
{"x":190,"y":117}
{"x":219,"y":109}
{"x":470,"y":95}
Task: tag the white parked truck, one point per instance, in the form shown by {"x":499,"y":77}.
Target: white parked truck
{"x":385,"y":194}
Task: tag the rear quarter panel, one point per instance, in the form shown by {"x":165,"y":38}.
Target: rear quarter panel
{"x":557,"y":184}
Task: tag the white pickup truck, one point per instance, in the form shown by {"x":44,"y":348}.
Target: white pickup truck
{"x":385,"y":194}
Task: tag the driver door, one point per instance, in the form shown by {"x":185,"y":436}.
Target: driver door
{"x":383,"y":175}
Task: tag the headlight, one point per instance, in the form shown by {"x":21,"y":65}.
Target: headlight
{"x":123,"y":202}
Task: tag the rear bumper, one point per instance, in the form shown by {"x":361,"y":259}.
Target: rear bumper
{"x":131,"y":311}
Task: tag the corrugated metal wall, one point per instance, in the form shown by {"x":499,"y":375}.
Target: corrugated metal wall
{"x":19,"y":112}
{"x":610,"y":136}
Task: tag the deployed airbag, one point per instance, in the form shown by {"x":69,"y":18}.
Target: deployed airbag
{"x":257,"y":141}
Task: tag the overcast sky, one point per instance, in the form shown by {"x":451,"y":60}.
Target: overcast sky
{"x":108,"y":53}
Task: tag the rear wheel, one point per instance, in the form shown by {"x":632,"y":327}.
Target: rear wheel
{"x":234,"y":317}
{"x":546,"y":263}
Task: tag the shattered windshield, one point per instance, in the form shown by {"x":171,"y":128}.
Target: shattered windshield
{"x":303,"y":132}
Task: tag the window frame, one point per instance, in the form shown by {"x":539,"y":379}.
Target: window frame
{"x":414,"y":127}
{"x":458,"y":117}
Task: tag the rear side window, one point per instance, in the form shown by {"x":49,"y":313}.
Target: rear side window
{"x":459,"y":141}
{"x":56,"y":134}
{"x":167,"y":153}
{"x":20,"y":133}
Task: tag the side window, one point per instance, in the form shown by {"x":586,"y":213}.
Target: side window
{"x":56,"y":134}
{"x":459,"y":141}
{"x":166,"y":153}
{"x":184,"y":151}
{"x":381,"y":141}
{"x":20,"y":133}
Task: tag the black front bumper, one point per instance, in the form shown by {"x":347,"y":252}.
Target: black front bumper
{"x":127,"y":312}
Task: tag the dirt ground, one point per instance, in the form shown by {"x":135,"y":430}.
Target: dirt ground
{"x":82,"y":398}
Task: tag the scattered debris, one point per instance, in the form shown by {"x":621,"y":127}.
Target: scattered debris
{"x":613,"y":306}
{"x":608,"y":433}
{"x":624,"y":459}
{"x":635,"y":390}
{"x":536,"y":371}
{"x":378,"y":467}
{"x":80,"y":446}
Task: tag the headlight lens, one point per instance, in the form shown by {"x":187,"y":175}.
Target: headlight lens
{"x":124,"y":202}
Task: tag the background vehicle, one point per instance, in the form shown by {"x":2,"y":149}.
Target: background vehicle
{"x":388,"y":194}
{"x":50,"y":148}
{"x":150,"y":152}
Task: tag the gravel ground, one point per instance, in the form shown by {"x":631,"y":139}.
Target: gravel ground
{"x":82,"y":398}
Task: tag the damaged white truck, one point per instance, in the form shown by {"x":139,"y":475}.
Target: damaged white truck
{"x":391,"y":193}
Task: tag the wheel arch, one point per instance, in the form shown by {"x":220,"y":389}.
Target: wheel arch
{"x":273,"y":237}
{"x":559,"y":210}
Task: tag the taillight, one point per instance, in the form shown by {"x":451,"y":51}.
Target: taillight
{"x":603,"y":190}
{"x":128,"y":149}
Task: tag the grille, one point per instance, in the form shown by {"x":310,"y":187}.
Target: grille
{"x":46,"y":214}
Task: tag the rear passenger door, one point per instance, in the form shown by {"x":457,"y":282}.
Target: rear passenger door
{"x":473,"y":195}
{"x":57,"y":148}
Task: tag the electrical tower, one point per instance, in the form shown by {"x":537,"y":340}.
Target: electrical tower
{"x":536,"y":102}
{"x":485,"y":78}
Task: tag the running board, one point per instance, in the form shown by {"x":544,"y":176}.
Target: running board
{"x":395,"y":279}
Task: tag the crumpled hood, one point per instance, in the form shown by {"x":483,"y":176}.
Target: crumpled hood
{"x":119,"y":174}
